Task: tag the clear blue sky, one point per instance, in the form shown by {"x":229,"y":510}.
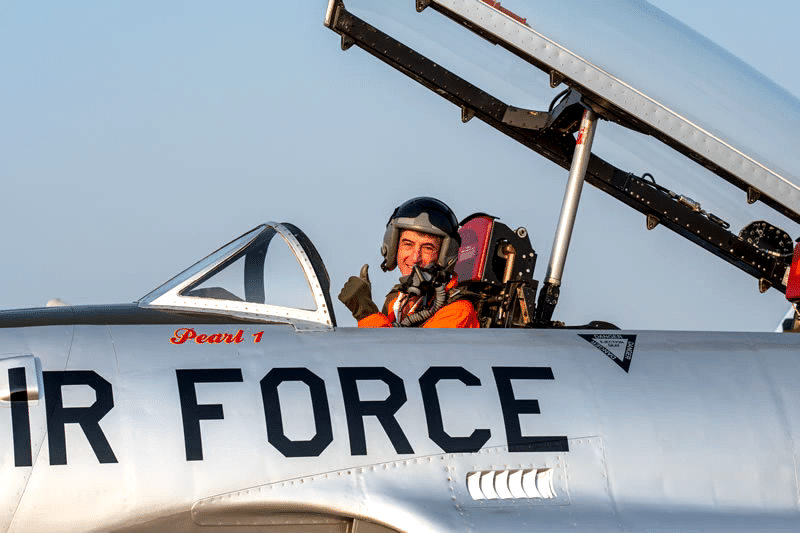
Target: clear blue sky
{"x":136,"y":137}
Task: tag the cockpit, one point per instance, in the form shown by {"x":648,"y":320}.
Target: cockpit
{"x":274,"y":274}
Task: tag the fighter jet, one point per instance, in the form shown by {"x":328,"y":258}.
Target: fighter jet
{"x":228,"y":399}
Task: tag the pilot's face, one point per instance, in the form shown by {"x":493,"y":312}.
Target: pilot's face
{"x":416,"y":248}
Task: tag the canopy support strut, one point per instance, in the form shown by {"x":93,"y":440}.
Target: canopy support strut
{"x":548,"y":296}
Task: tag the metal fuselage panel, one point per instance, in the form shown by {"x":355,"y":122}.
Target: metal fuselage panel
{"x":388,"y":425}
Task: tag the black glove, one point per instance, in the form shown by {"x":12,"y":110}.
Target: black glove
{"x":357,"y":295}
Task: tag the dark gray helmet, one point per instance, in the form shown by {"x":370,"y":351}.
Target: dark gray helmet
{"x":425,"y":215}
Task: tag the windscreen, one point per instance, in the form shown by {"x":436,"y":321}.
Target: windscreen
{"x":266,"y":272}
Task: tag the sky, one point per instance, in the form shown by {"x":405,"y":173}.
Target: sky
{"x":137,"y":137}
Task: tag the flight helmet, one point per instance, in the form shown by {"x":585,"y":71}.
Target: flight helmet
{"x":425,"y":215}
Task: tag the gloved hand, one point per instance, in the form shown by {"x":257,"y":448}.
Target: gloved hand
{"x":357,"y":295}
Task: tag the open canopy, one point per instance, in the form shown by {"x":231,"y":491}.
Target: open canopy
{"x":633,"y":65}
{"x":641,"y":67}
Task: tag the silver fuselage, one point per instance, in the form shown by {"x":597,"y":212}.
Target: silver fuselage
{"x":700,"y":433}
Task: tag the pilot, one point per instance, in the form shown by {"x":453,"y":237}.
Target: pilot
{"x":422,"y":240}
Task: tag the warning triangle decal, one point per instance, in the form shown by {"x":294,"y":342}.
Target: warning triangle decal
{"x":619,"y":348}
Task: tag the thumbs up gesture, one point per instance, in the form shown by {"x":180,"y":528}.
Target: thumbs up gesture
{"x":357,"y":295}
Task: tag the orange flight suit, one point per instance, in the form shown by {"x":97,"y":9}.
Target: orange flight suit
{"x":458,"y":314}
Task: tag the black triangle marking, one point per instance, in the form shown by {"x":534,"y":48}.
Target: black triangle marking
{"x":618,"y":347}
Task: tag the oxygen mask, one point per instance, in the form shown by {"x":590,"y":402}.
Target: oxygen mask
{"x":423,"y":281}
{"x":428,"y":283}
